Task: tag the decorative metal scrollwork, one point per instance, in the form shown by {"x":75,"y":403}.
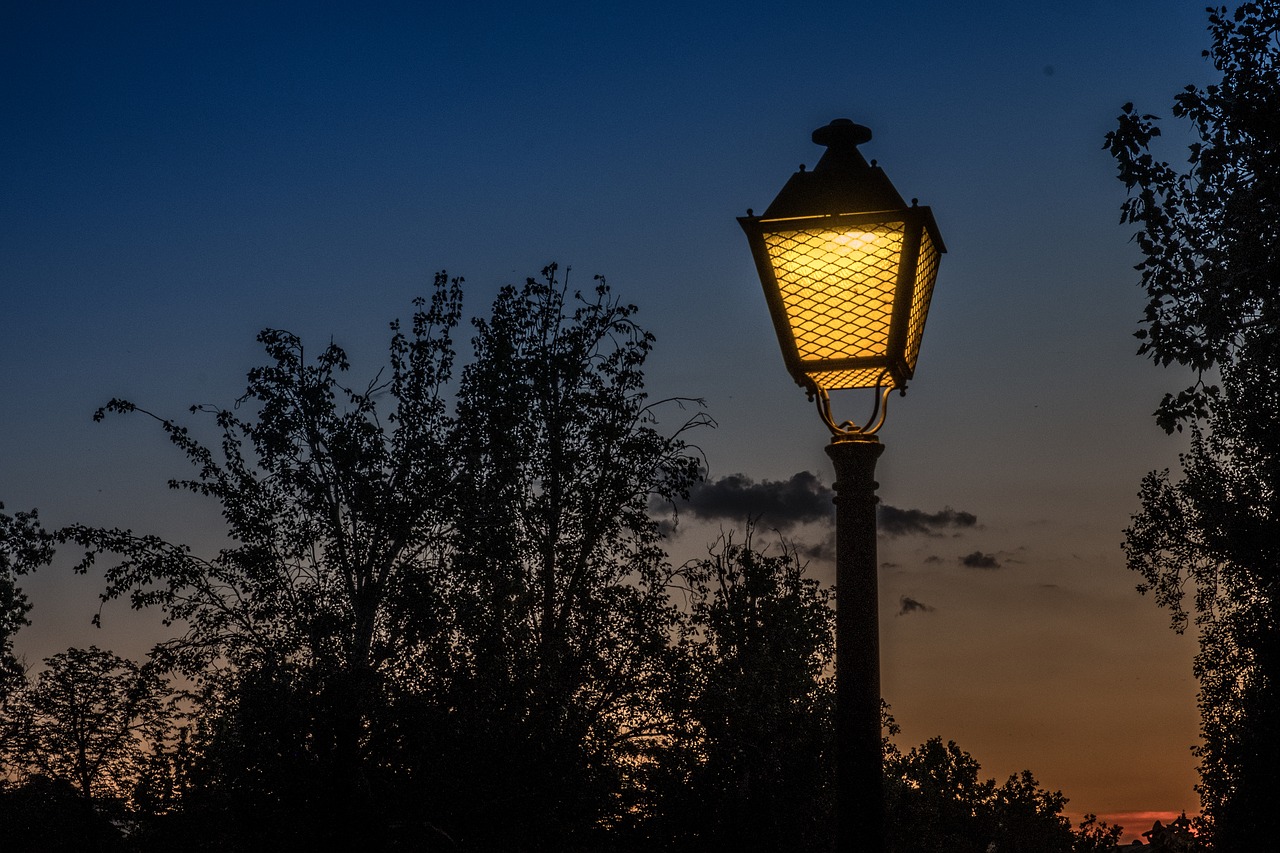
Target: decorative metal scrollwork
{"x":848,"y":430}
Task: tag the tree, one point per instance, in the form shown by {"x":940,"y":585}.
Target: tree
{"x":90,"y":718}
{"x":1217,"y":531}
{"x":1210,"y":240}
{"x":24,"y":546}
{"x":46,"y":815}
{"x":336,"y":516}
{"x":1096,"y":836}
{"x":938,"y":801}
{"x":558,"y":580}
{"x":1210,"y":236}
{"x":752,"y":767}
{"x":434,"y":607}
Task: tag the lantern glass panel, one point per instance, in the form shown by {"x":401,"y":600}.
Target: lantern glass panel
{"x":926,"y":275}
{"x":835,"y":380}
{"x":837,"y":286}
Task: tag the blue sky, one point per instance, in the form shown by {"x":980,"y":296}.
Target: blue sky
{"x":179,"y":176}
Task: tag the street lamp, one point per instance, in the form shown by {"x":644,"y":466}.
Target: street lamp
{"x":848,"y":271}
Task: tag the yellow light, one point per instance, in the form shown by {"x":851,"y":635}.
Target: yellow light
{"x":852,"y":241}
{"x":838,"y":288}
{"x":926,"y":275}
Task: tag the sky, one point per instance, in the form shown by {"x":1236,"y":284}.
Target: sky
{"x":179,"y":176}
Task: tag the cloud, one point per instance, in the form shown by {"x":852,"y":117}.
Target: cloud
{"x":780,"y":504}
{"x":979,"y":560}
{"x":906,"y":522}
{"x":824,"y":550}
{"x":804,"y":499}
{"x":907,"y":604}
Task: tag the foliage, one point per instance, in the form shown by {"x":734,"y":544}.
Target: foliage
{"x":44,"y":815}
{"x":1210,"y":236}
{"x":557,"y":582}
{"x":425,"y":590}
{"x":90,"y":718}
{"x":329,"y":514}
{"x":336,"y":516}
{"x":1217,"y":531}
{"x":752,"y":767}
{"x":1211,"y":268}
{"x":938,"y":801}
{"x":443,"y":619}
{"x":24,"y":546}
{"x":1096,"y":836}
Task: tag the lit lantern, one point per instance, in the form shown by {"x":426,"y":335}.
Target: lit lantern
{"x":848,"y":271}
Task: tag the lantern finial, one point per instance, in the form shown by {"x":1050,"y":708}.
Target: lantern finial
{"x":842,"y":133}
{"x":842,"y":182}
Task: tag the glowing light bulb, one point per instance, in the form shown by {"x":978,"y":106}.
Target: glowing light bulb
{"x":852,"y":241}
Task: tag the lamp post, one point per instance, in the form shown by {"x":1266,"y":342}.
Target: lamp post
{"x":848,"y":271}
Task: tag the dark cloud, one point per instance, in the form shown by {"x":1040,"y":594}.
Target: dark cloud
{"x":666,"y":523}
{"x":933,"y":558}
{"x":824,"y":550}
{"x":780,"y":504}
{"x":979,"y":560}
{"x":906,"y":605}
{"x":905,"y":522}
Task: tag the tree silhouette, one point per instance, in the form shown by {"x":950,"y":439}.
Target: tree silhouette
{"x":89,"y":719}
{"x":45,"y":815}
{"x":24,"y":546}
{"x":752,"y":767}
{"x":938,"y":801}
{"x":1217,"y":531}
{"x":1211,"y":267}
{"x":335,"y":512}
{"x":428,"y":606}
{"x":1209,"y":236}
{"x":557,"y":577}
{"x":443,"y":619}
{"x":1096,"y":836}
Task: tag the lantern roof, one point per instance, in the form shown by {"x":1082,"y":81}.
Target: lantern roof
{"x":842,"y":182}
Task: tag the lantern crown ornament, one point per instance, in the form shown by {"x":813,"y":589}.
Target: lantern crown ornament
{"x":848,"y":270}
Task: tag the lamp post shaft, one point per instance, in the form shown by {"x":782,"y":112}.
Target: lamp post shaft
{"x":859,"y":757}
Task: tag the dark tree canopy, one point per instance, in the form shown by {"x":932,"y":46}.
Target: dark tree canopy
{"x":751,"y":768}
{"x":330,"y":511}
{"x":443,"y":619}
{"x":24,"y":546}
{"x":423,"y":572}
{"x":1210,"y":234}
{"x":938,"y":800}
{"x":91,"y":719}
{"x":1210,"y":239}
{"x":1215,"y":534}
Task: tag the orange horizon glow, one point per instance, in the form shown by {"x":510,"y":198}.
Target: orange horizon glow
{"x":1136,"y":822}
